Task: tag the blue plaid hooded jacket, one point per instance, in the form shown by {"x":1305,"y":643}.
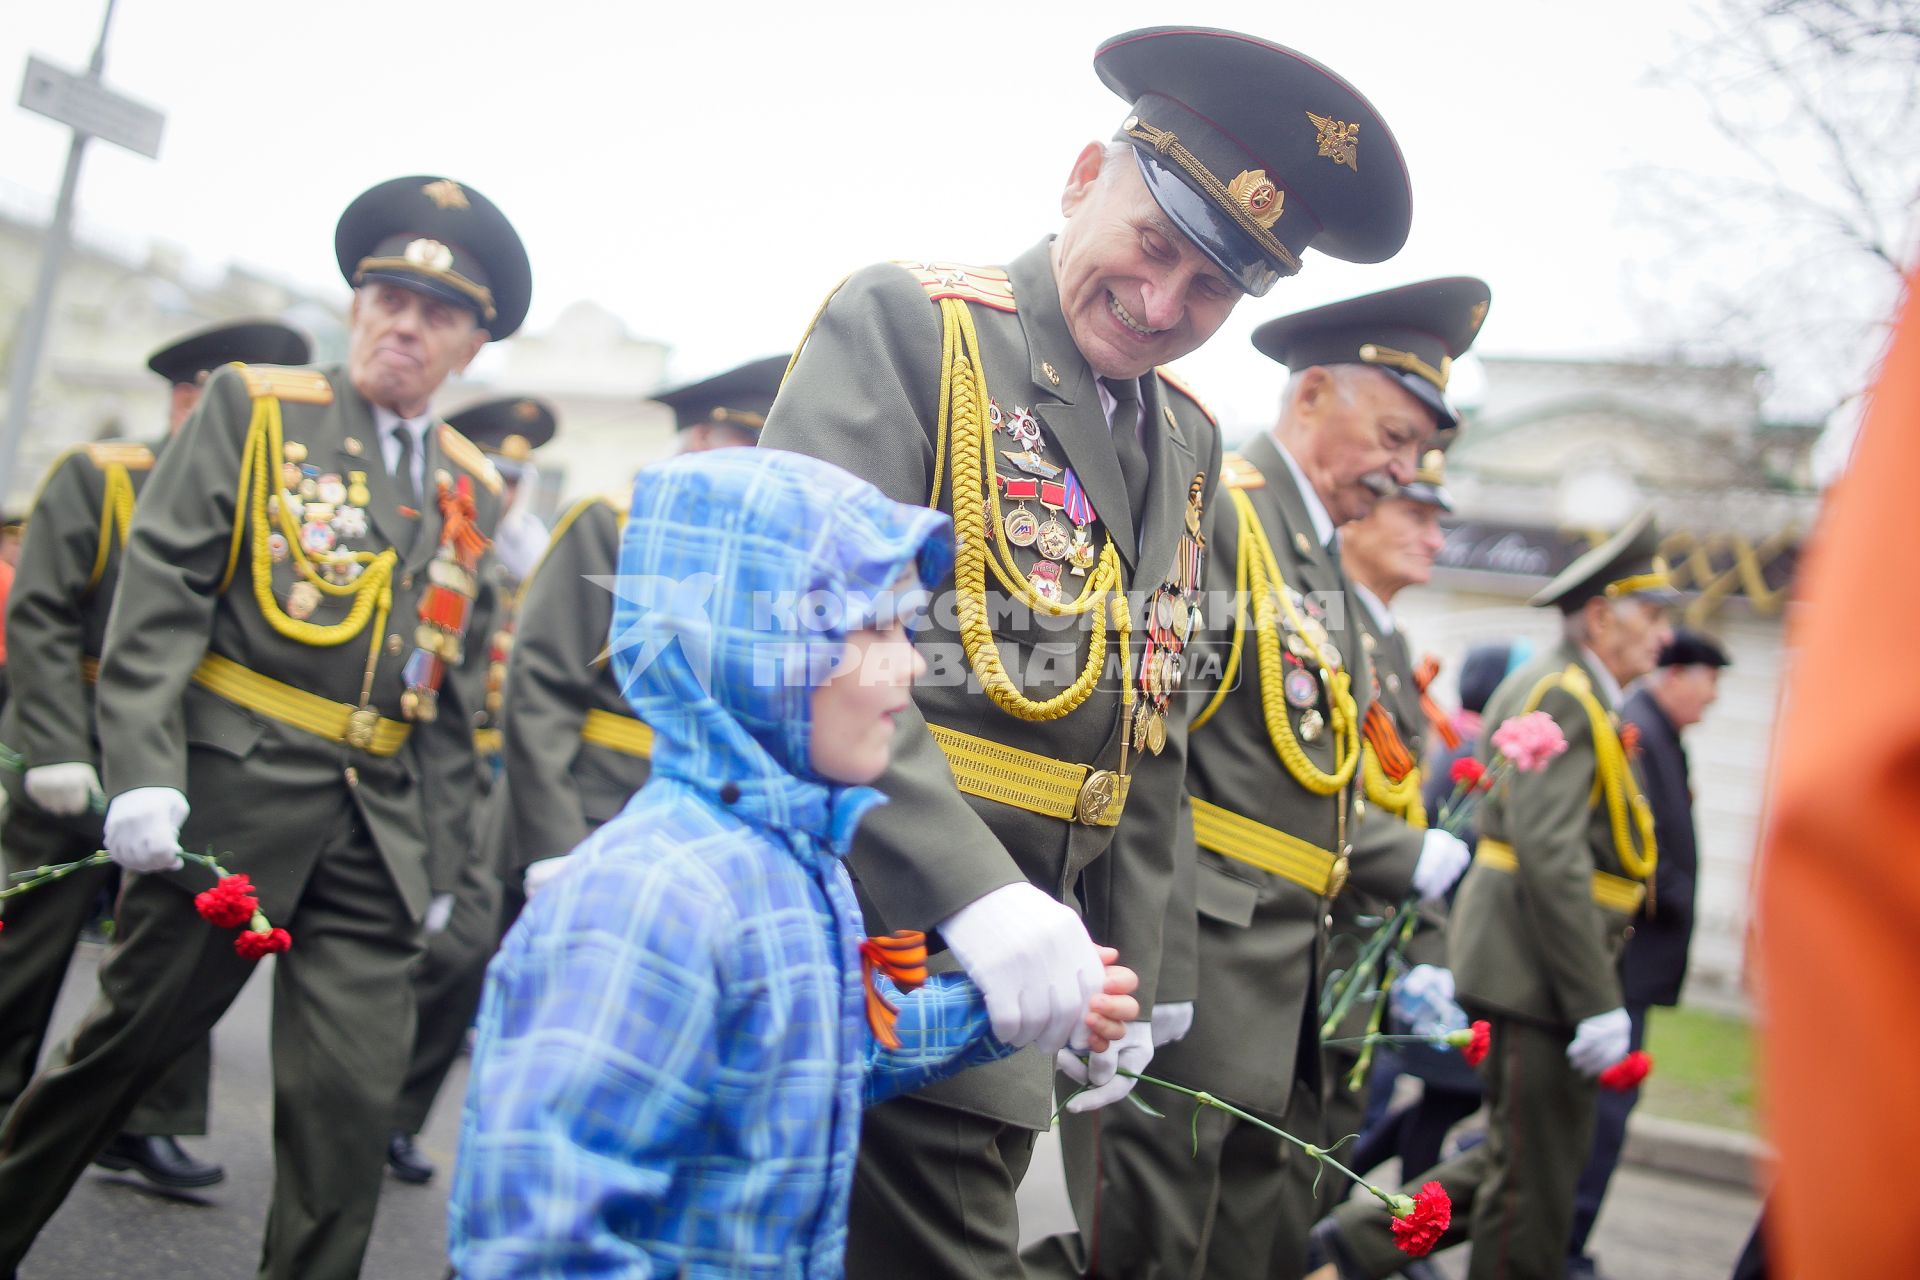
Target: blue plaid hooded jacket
{"x":673,"y":1051}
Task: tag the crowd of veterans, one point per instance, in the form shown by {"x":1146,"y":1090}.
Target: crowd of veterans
{"x":324,"y":632}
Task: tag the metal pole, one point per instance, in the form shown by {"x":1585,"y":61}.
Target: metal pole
{"x":31,"y":334}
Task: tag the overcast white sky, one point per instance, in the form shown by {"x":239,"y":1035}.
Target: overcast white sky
{"x":707,"y":171}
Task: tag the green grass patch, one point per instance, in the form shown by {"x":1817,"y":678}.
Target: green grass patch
{"x":1702,"y":1068}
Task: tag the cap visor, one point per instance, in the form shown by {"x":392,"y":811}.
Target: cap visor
{"x":1211,"y":231}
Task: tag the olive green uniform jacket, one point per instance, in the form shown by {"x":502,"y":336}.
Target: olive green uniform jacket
{"x":864,"y":394}
{"x":1532,"y":943}
{"x":1260,"y":935}
{"x":177,"y":603}
{"x":558,"y":677}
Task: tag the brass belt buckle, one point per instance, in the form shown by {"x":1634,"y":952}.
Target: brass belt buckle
{"x":1097,"y":797}
{"x":1337,"y":876}
{"x":361,"y":723}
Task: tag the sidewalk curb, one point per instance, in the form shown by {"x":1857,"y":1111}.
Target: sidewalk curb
{"x":1695,"y":1150}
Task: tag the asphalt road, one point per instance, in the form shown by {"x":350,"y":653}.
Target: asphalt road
{"x":1655,"y":1227}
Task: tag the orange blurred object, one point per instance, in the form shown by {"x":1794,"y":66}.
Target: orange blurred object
{"x":1838,"y":921}
{"x":902,"y":956}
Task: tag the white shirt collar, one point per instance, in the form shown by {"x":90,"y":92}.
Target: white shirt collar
{"x":384,"y":420}
{"x":1609,"y":687}
{"x":1323,"y":528}
{"x":1382,"y":615}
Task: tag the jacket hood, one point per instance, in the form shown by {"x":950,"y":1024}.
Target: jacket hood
{"x":741,"y":573}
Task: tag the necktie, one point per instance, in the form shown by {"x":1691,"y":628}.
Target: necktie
{"x":1126,"y":446}
{"x":403,"y":479}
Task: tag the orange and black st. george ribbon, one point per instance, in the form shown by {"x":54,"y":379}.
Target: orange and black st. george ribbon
{"x":902,"y":956}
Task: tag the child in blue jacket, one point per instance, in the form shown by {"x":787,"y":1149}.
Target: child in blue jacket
{"x":679,"y":1034}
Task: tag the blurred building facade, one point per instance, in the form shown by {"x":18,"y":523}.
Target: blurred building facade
{"x":118,"y":301}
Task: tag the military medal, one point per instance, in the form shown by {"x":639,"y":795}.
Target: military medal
{"x":1055,"y":541}
{"x":997,"y":419}
{"x":357,"y":493}
{"x":1301,"y":688}
{"x":316,"y":535}
{"x":331,"y":489}
{"x":1031,"y":463}
{"x":1311,"y":723}
{"x":1045,"y":576}
{"x":302,"y":601}
{"x":1080,"y":553}
{"x":446,"y":605}
{"x":350,"y":522}
{"x":1023,"y":529}
{"x":277,"y":547}
{"x":1024,"y":427}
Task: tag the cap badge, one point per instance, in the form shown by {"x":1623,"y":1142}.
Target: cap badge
{"x":1339,"y":141}
{"x":1255,"y":193}
{"x":526,"y":411}
{"x":429,"y":254}
{"x":1476,"y":316}
{"x":445,"y":194}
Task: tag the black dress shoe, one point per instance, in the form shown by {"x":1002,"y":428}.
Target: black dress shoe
{"x":160,"y":1160}
{"x":405,"y":1159}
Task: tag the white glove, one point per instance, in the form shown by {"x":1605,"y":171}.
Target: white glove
{"x":1032,"y":960}
{"x":1600,"y":1041}
{"x":1423,"y":1001}
{"x":539,"y":875}
{"x":1442,"y":859}
{"x":1132,"y":1051}
{"x":439,"y":911}
{"x":63,"y":790}
{"x":143,"y":828}
{"x":1171,"y":1022}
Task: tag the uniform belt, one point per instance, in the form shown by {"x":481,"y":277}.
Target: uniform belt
{"x":362,"y":728}
{"x":488,"y":742}
{"x":625,"y":734}
{"x":1036,"y":783}
{"x":1615,"y":893}
{"x":1235,"y":836}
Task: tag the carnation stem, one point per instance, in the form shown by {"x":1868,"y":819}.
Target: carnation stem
{"x":1206,"y":1099}
{"x":34,"y":877}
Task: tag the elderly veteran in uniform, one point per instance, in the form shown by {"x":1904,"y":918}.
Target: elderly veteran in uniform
{"x":463,"y":927}
{"x":289,"y":682}
{"x":1027,"y":400}
{"x":1274,"y":771}
{"x":1390,"y":550}
{"x":1564,"y":858}
{"x":56,"y":622}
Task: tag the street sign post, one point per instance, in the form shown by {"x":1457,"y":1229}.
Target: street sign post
{"x":90,"y":110}
{"x":84,"y":104}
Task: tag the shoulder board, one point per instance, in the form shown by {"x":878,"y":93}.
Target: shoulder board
{"x":987,"y":286}
{"x":120,"y":453}
{"x":301,"y":386}
{"x":1237,"y":473}
{"x":467,"y":454}
{"x":1167,"y":376}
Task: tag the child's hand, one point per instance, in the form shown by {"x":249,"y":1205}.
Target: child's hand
{"x":1114,"y":1007}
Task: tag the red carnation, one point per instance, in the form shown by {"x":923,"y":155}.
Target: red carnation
{"x":229,"y":904}
{"x":1467,"y":772}
{"x":1475,"y":1049}
{"x":251,"y":945}
{"x":1419,"y":1223}
{"x":1628,"y":1072}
